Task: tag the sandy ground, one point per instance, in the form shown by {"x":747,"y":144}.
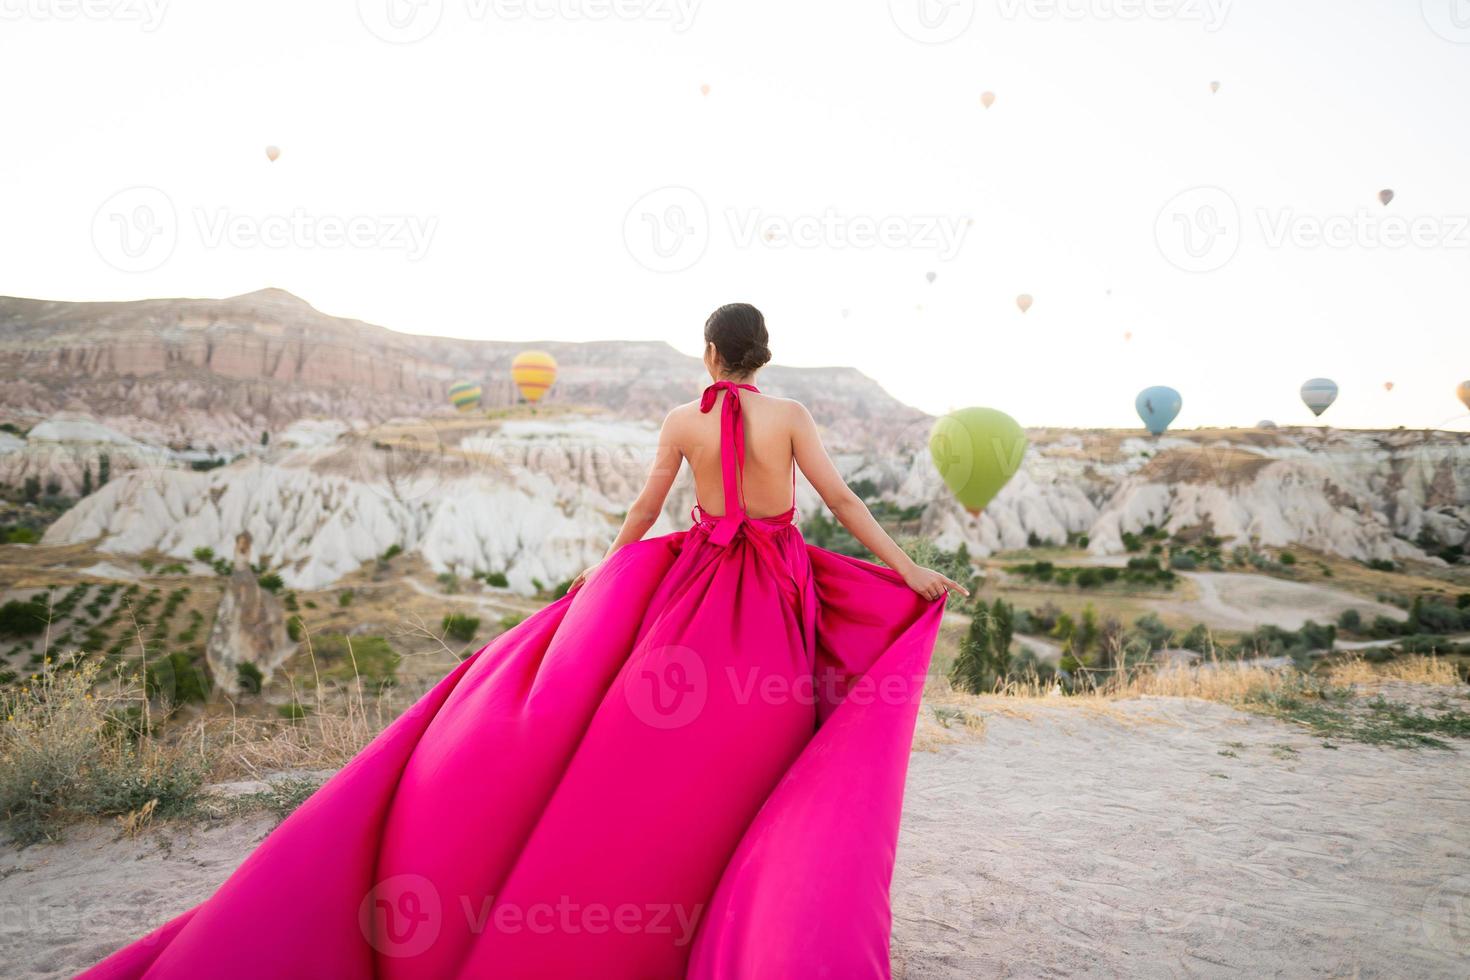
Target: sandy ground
{"x":1123,"y":843}
{"x":1061,"y":840}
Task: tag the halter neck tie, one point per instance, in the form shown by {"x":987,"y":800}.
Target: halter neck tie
{"x":732,"y":454}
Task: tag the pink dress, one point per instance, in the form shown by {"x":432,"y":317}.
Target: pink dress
{"x":692,"y":766}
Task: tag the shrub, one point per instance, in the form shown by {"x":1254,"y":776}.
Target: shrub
{"x":344,"y":598}
{"x":461,"y":628}
{"x":68,"y":751}
{"x":205,"y":555}
{"x":346,"y":659}
{"x":179,"y":679}
{"x":1286,"y":558}
{"x":1350,"y":620}
{"x":249,"y":677}
{"x":271,"y":582}
{"x":24,"y":618}
{"x":985,"y":652}
{"x":511,"y":621}
{"x":497,"y":580}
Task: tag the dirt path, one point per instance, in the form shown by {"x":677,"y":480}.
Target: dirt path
{"x":1237,"y":601}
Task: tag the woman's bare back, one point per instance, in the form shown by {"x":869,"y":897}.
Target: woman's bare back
{"x":769,"y":452}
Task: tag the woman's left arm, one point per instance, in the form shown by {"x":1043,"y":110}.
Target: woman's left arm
{"x":643,"y":513}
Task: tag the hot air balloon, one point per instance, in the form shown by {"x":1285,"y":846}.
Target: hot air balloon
{"x":931,"y":276}
{"x":977,"y":451}
{"x":272,"y":152}
{"x":987,"y":99}
{"x":1127,"y":334}
{"x":1214,"y":88}
{"x":534,"y":371}
{"x":1384,"y":196}
{"x":464,"y":395}
{"x":1265,"y":424}
{"x":1319,"y":393}
{"x":1024,"y":302}
{"x":704,"y":90}
{"x":1388,"y":386}
{"x":1158,"y":406}
{"x":1463,"y":393}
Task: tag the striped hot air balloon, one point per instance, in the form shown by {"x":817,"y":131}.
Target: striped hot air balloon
{"x":464,"y":395}
{"x":534,"y":371}
{"x":1319,"y":394}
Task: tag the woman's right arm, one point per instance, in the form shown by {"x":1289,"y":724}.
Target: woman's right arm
{"x":853,"y":514}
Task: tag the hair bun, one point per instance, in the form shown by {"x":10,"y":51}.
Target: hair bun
{"x":755,"y":358}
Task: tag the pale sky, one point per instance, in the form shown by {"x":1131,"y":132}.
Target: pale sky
{"x":549,"y":169}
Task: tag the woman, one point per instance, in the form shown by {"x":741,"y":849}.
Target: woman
{"x":690,"y":766}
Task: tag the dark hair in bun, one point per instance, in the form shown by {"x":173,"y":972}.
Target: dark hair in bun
{"x":738,"y":331}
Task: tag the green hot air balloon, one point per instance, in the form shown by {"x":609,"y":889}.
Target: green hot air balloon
{"x":977,"y":451}
{"x":464,"y":395}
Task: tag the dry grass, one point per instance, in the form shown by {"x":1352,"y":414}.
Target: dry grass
{"x":1227,"y":682}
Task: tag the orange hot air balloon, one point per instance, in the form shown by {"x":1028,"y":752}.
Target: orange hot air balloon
{"x":704,"y":90}
{"x":534,"y":371}
{"x":272,"y":153}
{"x":1024,"y":302}
{"x":987,"y":99}
{"x":1388,"y":386}
{"x":1127,"y":334}
{"x":1463,"y":393}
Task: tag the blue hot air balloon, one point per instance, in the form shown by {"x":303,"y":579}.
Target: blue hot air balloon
{"x":1319,"y":393}
{"x":1158,"y":406}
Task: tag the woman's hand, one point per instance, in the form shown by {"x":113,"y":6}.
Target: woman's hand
{"x":930,"y":584}
{"x":582,"y":577}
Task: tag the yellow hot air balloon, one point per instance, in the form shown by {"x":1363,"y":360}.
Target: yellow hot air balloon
{"x":987,"y":99}
{"x":1024,"y":302}
{"x":534,"y":371}
{"x":1463,"y":393}
{"x":272,"y":153}
{"x":464,"y":395}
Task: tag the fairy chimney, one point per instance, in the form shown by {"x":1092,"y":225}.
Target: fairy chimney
{"x":249,"y":625}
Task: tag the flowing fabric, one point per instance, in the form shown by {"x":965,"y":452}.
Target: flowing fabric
{"x":692,"y":766}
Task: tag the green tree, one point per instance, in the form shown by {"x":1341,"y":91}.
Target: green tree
{"x":985,"y":652}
